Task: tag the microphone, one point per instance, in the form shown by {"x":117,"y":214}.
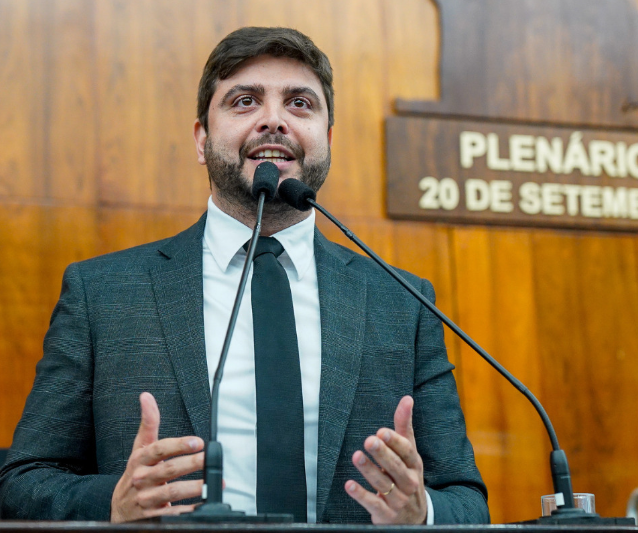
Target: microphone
{"x":296,"y":194}
{"x":265,"y":180}
{"x":300,"y":196}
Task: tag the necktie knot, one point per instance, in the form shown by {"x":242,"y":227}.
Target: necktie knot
{"x":266,"y":245}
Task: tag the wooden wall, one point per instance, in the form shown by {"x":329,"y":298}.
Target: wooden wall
{"x":97,"y":100}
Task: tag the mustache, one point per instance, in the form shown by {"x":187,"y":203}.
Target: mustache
{"x":272,"y":138}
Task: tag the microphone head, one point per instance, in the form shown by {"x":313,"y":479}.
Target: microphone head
{"x":265,"y":180}
{"x":296,"y":194}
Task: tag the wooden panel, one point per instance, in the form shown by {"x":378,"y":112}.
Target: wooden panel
{"x":587,"y":317}
{"x":71,"y":106}
{"x":539,"y":60}
{"x":120,"y":228}
{"x":377,"y":234}
{"x":48,"y":137}
{"x":36,"y":246}
{"x":495,"y":299}
{"x":424,"y":250}
{"x":355,"y":183}
{"x":211,"y":21}
{"x":412,"y":50}
{"x":608,"y":291}
{"x":22,"y":93}
{"x":482,"y":391}
{"x":146,"y":105}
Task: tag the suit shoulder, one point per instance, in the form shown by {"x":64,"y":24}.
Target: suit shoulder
{"x":137,"y":256}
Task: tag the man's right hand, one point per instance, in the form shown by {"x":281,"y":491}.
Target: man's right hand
{"x":143,"y":490}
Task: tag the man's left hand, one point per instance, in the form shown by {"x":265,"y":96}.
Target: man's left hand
{"x":398,"y":480}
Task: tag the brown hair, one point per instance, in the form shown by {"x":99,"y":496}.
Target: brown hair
{"x":246,"y":43}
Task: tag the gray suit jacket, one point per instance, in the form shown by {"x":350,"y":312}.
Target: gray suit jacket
{"x":132,"y":321}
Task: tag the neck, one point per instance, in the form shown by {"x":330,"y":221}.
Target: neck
{"x":271,"y":222}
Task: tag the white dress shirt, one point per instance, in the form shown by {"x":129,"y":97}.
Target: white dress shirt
{"x":223,"y":260}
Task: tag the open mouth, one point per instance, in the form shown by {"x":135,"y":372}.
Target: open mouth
{"x":275,"y":156}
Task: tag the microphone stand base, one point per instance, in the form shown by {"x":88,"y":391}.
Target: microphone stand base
{"x":217,"y":513}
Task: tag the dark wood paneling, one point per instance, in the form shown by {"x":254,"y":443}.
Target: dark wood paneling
{"x":568,"y":61}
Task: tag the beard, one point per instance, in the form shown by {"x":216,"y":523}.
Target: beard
{"x":235,"y":189}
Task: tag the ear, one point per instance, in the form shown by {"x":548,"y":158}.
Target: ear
{"x":199,"y":133}
{"x":330,"y":136}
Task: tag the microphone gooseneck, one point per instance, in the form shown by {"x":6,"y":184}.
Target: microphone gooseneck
{"x":265,"y":180}
{"x":302,"y":197}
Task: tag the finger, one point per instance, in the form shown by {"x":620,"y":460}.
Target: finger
{"x":150,"y":421}
{"x":401,"y":446}
{"x":156,"y":497}
{"x":380,"y":511}
{"x":172,"y":510}
{"x":379,"y":481}
{"x":403,"y":418}
{"x":166,"y":471}
{"x":166,"y":448}
{"x":406,"y":479}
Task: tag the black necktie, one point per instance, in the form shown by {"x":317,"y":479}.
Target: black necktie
{"x":281,"y":472}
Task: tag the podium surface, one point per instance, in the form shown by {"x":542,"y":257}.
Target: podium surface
{"x":10,"y":526}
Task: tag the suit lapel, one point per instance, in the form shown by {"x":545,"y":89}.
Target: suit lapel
{"x":177,"y":284}
{"x":342,"y":297}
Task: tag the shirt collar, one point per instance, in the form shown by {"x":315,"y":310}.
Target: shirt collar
{"x":225,"y":236}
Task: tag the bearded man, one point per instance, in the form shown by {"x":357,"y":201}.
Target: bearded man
{"x":381,"y":436}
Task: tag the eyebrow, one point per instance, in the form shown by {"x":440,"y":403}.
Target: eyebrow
{"x":303,"y":90}
{"x":261,"y":90}
{"x":236,"y":89}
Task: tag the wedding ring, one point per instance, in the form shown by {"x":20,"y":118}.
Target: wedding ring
{"x":389,"y":490}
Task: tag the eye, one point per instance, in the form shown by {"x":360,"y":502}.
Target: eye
{"x":245,"y":101}
{"x":300,"y":103}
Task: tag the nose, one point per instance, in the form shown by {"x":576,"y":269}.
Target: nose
{"x":272,"y":119}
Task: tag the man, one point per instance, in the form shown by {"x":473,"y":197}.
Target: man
{"x":147,"y":325}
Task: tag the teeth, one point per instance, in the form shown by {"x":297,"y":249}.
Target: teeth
{"x":270,"y":153}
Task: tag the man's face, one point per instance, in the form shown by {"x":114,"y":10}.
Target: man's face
{"x":271,"y":109}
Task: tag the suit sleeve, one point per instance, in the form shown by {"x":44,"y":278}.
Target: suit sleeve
{"x":452,"y":480}
{"x":51,"y":470}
